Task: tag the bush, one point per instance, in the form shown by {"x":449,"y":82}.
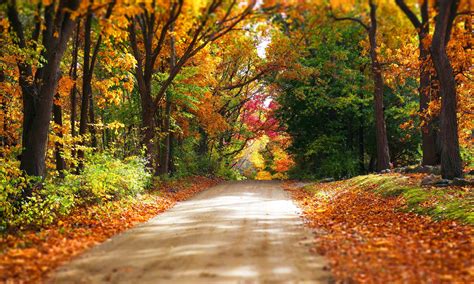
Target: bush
{"x":12,"y":187}
{"x":104,"y":178}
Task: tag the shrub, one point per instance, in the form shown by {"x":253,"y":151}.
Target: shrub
{"x":107,"y":178}
{"x":104,"y":178}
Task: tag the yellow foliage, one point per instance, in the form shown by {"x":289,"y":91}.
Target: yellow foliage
{"x":263,"y":175}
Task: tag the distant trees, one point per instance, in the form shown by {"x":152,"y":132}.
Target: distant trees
{"x":383,"y":154}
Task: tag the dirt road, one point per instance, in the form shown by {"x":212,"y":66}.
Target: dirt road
{"x":237,"y":232}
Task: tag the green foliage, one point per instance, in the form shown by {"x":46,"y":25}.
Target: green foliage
{"x":104,"y":178}
{"x":226,"y":172}
{"x":329,"y":112}
{"x":188,"y":162}
{"x":12,"y":187}
{"x":323,"y":113}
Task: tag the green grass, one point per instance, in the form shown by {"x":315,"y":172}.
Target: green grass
{"x":451,"y":203}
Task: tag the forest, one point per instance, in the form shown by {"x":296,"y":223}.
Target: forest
{"x":129,"y":106}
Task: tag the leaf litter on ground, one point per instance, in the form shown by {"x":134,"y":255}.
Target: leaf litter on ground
{"x":28,"y":257}
{"x":371,"y":238}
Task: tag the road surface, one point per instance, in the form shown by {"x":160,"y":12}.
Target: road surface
{"x":236,"y":232}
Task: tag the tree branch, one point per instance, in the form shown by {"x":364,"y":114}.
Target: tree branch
{"x":409,"y":13}
{"x":356,"y":20}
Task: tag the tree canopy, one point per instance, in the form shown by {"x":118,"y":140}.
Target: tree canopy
{"x":257,"y":89}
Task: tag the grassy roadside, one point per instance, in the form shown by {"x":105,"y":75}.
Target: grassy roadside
{"x":386,"y":228}
{"x":28,"y":256}
{"x":451,"y":203}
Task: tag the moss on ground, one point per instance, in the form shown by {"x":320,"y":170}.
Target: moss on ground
{"x":451,"y":203}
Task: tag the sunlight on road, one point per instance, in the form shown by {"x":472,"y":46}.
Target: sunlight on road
{"x":247,"y":230}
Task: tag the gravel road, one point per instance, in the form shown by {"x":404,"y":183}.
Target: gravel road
{"x":236,"y":232}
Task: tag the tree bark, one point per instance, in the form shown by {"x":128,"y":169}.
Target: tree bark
{"x":90,"y":56}
{"x":73,"y":75}
{"x":383,"y":155}
{"x":166,"y":153}
{"x":451,"y":163}
{"x":92,"y":128}
{"x":58,"y":147}
{"x":166,"y":142}
{"x":38,"y":93}
{"x":431,"y":155}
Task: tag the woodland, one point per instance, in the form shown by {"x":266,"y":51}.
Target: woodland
{"x":102,"y":101}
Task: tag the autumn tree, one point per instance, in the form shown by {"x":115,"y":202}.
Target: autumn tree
{"x":90,"y":54}
{"x":383,"y":155}
{"x":38,"y":82}
{"x":426,"y":90}
{"x":148,"y":31}
{"x":451,"y":163}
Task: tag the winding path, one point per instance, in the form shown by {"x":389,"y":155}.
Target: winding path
{"x":236,"y":232}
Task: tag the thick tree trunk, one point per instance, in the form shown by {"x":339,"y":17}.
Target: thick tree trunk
{"x":38,"y":98}
{"x":383,"y":155}
{"x":148,"y":128}
{"x":451,"y":163}
{"x":428,"y":133}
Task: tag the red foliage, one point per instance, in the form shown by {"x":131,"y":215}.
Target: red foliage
{"x":30,"y":256}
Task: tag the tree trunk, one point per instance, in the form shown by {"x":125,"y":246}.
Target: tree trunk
{"x":86,"y":84}
{"x":166,"y":142}
{"x":58,"y":147}
{"x":431,"y":155}
{"x":451,"y":163}
{"x":428,"y":133}
{"x":38,"y":96}
{"x":92,"y":128}
{"x":383,"y":155}
{"x":148,"y":128}
{"x":90,"y":56}
{"x":166,"y":153}
{"x":361,"y":141}
{"x":73,"y":75}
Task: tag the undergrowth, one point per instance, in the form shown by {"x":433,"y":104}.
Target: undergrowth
{"x":104,"y":178}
